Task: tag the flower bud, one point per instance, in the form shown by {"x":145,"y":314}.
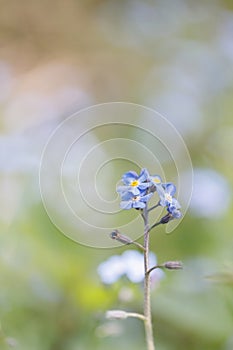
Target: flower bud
{"x":173,"y":265}
{"x":120,"y":238}
{"x":116,"y":314}
{"x":168,"y":217}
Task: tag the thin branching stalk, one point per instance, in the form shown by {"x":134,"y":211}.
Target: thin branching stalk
{"x":153,"y":226}
{"x":133,"y":184}
{"x":116,"y":235}
{"x":153,"y":268}
{"x":147,"y":297}
{"x":155,"y":206}
{"x":120,"y":314}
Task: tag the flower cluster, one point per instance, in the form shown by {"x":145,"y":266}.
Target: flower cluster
{"x":138,"y":189}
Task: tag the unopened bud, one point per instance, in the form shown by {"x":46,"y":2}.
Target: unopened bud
{"x":173,"y":265}
{"x":116,"y":314}
{"x":119,"y":314}
{"x":168,"y":217}
{"x":120,"y":238}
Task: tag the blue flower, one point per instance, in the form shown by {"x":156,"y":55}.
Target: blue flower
{"x":174,"y":209}
{"x":155,"y":180}
{"x":166,"y":193}
{"x":134,"y":183}
{"x":129,"y":200}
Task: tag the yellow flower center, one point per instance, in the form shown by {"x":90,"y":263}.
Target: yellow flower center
{"x":134,"y":183}
{"x":156,"y":180}
{"x":168,"y":197}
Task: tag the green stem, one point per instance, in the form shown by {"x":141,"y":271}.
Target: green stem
{"x":153,"y":226}
{"x":153,"y":268}
{"x":147,"y":301}
{"x":155,"y":206}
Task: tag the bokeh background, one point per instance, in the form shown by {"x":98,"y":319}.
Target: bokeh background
{"x":57,"y":57}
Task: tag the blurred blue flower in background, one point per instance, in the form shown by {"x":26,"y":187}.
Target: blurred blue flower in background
{"x":211,"y":195}
{"x":130,"y":264}
{"x":111,"y":270}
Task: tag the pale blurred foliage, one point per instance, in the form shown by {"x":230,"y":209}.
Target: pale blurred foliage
{"x":57,"y":57}
{"x":45,"y":92}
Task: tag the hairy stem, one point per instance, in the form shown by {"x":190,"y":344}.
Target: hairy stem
{"x":147,"y":301}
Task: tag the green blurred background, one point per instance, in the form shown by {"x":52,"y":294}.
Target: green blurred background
{"x":57,"y":57}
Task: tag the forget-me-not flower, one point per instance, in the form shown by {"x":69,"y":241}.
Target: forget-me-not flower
{"x":134,"y":183}
{"x":138,"y":189}
{"x":155,"y":180}
{"x":166,"y":193}
{"x":174,"y":209}
{"x":129,"y":200}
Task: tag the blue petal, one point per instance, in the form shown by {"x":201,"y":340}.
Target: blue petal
{"x":174,"y":212}
{"x":155,"y":177}
{"x":122,"y":189}
{"x":126,"y":205}
{"x":135,"y":191}
{"x":142,"y":193}
{"x":130,"y":176}
{"x":126,"y":196}
{"x":139,"y":204}
{"x":177,"y":214}
{"x":163,"y":202}
{"x":143,"y":186}
{"x":175,"y":203}
{"x":170,"y":188}
{"x":144,"y":175}
{"x":160,"y":190}
{"x":146,"y":197}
